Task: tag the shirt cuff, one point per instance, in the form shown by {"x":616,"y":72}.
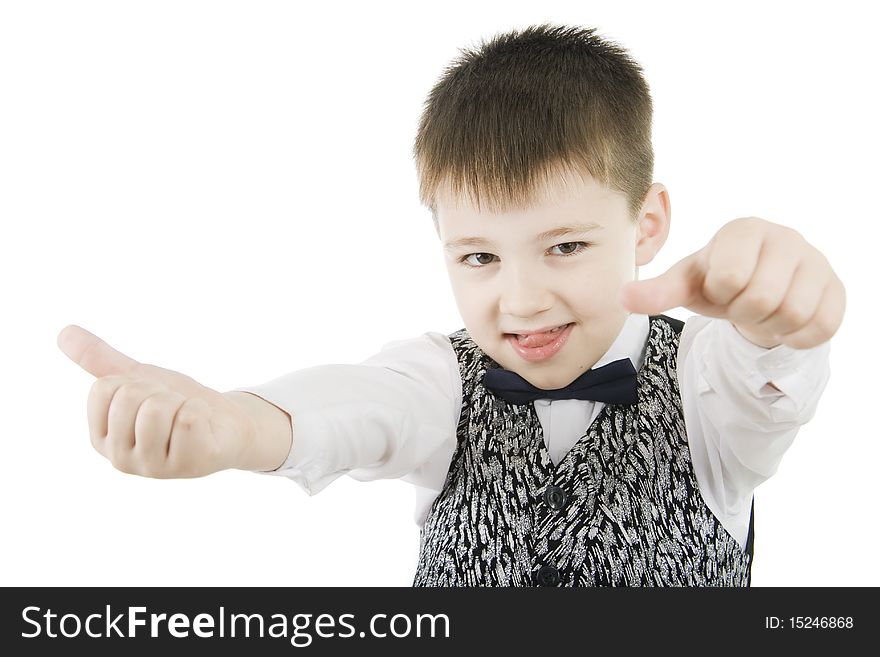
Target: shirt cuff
{"x":796,"y":372}
{"x":306,"y":463}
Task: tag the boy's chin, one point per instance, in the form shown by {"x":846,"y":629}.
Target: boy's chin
{"x":543,"y":376}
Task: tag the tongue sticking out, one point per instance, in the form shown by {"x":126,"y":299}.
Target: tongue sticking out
{"x":539,"y":339}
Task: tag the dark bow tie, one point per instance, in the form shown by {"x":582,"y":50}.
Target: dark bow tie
{"x":613,"y":383}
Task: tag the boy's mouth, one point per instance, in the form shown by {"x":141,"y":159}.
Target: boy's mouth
{"x":539,"y":345}
{"x":538,"y":338}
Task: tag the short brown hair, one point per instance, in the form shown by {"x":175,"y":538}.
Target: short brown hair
{"x":505,"y":118}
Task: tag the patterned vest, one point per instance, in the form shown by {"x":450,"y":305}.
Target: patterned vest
{"x":622,"y":508}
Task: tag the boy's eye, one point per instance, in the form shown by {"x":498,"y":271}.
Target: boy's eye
{"x":480,"y":263}
{"x":481,"y":259}
{"x":567,"y":251}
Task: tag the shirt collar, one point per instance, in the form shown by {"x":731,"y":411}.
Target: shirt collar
{"x":629,"y":343}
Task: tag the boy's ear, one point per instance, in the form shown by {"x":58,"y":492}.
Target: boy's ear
{"x":653,"y":227}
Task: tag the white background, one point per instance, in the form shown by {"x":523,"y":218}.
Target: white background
{"x":226,"y":189}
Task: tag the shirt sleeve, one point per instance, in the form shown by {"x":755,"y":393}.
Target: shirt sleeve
{"x":738,"y":426}
{"x":394,"y":415}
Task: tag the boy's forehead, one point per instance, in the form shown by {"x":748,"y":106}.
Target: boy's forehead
{"x":572,"y":201}
{"x":560,"y":187}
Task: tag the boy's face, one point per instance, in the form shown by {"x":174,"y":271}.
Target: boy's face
{"x":527,"y":274}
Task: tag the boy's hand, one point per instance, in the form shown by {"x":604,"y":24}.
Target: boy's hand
{"x":764,"y":278}
{"x":156,"y":422}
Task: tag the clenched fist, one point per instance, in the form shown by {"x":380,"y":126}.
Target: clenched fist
{"x":765,"y":278}
{"x":155,"y":422}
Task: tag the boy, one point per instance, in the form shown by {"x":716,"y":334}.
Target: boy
{"x":570,"y":434}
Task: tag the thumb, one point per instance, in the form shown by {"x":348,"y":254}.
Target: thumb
{"x":93,"y":354}
{"x":675,"y":287}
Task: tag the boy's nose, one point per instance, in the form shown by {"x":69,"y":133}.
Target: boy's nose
{"x":523,"y":296}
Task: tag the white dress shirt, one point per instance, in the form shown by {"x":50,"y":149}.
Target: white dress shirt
{"x":397,"y":413}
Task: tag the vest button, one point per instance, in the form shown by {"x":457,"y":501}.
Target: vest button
{"x":548,"y":576}
{"x":555,"y":497}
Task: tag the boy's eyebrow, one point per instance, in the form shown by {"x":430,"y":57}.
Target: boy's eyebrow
{"x":452,"y":245}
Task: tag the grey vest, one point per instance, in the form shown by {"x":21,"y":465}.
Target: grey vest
{"x":622,"y":508}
